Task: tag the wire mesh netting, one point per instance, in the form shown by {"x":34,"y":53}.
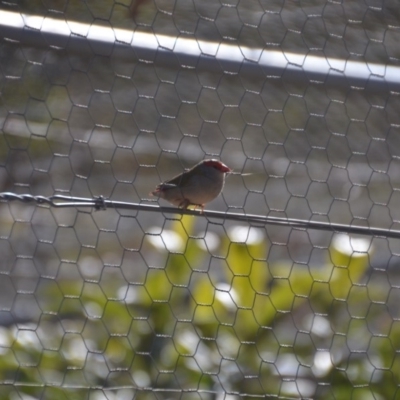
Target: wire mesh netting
{"x":109,"y":98}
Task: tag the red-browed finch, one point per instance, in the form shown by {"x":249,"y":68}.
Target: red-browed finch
{"x":197,"y":186}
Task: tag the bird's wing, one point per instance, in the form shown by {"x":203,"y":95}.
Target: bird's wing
{"x":178,"y":180}
{"x":165,"y":185}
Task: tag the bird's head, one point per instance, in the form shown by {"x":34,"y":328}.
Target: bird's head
{"x":218,"y":165}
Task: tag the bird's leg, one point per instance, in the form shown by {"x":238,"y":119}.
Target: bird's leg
{"x":184,"y":203}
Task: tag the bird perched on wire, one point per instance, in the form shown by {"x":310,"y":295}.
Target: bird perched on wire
{"x":195,"y":187}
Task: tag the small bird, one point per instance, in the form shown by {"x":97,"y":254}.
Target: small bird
{"x":195,"y":187}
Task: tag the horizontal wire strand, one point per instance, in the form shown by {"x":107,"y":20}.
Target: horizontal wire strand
{"x":100,"y":203}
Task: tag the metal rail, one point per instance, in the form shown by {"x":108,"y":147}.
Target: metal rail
{"x":34,"y":30}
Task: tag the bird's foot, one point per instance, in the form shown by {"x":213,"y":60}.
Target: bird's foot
{"x":201,"y":206}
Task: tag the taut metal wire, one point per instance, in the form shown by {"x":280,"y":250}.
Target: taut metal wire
{"x":100,"y":203}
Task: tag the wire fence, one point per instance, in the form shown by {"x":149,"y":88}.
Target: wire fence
{"x":286,"y":286}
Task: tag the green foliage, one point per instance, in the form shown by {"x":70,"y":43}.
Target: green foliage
{"x":246,"y":324}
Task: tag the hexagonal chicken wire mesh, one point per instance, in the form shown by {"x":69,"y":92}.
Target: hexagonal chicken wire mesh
{"x":110,"y":98}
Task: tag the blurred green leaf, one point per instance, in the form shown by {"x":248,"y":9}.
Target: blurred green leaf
{"x":116,"y":318}
{"x":118,"y":353}
{"x":157,"y":284}
{"x":350,"y":258}
{"x":178,"y":269}
{"x":301,"y":280}
{"x":282,"y":296}
{"x":203,"y":292}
